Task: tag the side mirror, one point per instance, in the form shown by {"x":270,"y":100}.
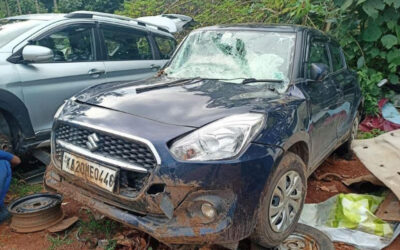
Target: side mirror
{"x":318,"y":71}
{"x":37,"y":54}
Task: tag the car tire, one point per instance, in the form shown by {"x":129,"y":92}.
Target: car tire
{"x":303,"y":237}
{"x":282,"y":202}
{"x":345,"y":150}
{"x":5,"y":139}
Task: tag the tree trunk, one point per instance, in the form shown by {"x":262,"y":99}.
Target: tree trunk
{"x":37,"y":6}
{"x":19,"y":7}
{"x":55,"y":8}
{"x":7,"y":8}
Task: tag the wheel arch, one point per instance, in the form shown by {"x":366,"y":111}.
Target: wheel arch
{"x":299,"y":144}
{"x":15,"y":113}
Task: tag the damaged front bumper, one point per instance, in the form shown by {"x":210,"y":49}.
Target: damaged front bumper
{"x":174,"y":213}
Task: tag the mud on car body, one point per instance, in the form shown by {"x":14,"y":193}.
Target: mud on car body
{"x":218,"y":147}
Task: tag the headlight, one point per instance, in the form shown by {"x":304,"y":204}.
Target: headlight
{"x":222,"y":139}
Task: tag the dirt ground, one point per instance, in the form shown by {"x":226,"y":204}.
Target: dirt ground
{"x":318,"y":191}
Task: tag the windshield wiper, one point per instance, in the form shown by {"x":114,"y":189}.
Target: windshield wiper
{"x":167,"y":84}
{"x":250,"y":80}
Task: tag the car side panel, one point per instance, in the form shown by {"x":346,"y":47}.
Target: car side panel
{"x":287,"y":124}
{"x":347,"y":82}
{"x":47,"y":85}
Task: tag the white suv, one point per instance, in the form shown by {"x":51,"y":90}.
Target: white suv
{"x":45,"y":59}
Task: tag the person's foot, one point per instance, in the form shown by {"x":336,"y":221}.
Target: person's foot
{"x":4,"y":214}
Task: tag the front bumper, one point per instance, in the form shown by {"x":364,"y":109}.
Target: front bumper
{"x":173,"y":215}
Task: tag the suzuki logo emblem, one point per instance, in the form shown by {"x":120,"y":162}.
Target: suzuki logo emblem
{"x":92,"y":142}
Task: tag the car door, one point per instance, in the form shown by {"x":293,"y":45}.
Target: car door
{"x":129,"y":54}
{"x":74,"y":67}
{"x":344,"y":80}
{"x":323,"y":102}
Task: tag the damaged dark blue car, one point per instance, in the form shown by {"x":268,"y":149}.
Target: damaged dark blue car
{"x":219,"y":145}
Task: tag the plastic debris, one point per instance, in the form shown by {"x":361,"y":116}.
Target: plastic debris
{"x":350,"y":218}
{"x":389,"y":210}
{"x":390,"y":113}
{"x":380,"y":155}
{"x":386,"y":120}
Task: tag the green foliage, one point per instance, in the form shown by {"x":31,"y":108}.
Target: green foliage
{"x":103,"y":227}
{"x":70,"y":5}
{"x":57,"y":241}
{"x":27,"y":7}
{"x":368,"y":135}
{"x":109,"y":6}
{"x":371,"y":92}
{"x":112,"y":244}
{"x":64,"y":6}
{"x":20,"y":188}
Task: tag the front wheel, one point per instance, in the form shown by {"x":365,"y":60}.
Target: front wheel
{"x":282,"y":202}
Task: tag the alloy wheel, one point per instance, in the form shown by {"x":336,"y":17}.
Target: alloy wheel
{"x":286,"y":201}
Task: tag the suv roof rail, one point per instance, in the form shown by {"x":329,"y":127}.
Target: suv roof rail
{"x":91,"y":14}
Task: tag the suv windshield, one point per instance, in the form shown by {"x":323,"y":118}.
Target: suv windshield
{"x":12,"y":28}
{"x":235,"y":54}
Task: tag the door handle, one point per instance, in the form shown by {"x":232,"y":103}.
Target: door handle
{"x":96,"y":73}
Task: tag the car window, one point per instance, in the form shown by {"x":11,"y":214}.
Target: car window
{"x":337,"y":59}
{"x":72,"y":44}
{"x":126,"y":44}
{"x":166,"y":46}
{"x":318,"y":54}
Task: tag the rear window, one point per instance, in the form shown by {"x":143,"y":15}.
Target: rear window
{"x":126,"y":44}
{"x":166,"y":46}
{"x":337,"y":59}
{"x":12,"y":28}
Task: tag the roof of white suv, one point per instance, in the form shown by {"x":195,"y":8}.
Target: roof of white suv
{"x":92,"y":15}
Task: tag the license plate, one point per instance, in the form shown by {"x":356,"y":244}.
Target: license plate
{"x":92,"y":172}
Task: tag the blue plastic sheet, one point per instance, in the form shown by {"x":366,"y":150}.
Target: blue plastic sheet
{"x":390,"y":113}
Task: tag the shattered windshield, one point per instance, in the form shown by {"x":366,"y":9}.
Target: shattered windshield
{"x":12,"y":28}
{"x":235,"y":54}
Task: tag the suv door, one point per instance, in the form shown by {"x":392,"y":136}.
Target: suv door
{"x":323,"y":98}
{"x":128,"y":53}
{"x":344,"y":80}
{"x":74,"y":67}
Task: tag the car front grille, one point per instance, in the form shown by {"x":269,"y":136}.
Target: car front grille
{"x":113,"y":147}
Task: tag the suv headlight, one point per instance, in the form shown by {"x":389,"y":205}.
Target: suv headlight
{"x":219,"y":140}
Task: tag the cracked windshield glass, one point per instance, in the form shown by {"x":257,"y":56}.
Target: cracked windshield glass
{"x":235,"y":54}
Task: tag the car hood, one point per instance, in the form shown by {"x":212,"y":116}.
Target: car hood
{"x":191,"y":103}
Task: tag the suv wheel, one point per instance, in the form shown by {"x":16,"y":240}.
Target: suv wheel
{"x":282,"y":202}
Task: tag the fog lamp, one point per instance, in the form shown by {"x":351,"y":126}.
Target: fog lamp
{"x":208,"y":210}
